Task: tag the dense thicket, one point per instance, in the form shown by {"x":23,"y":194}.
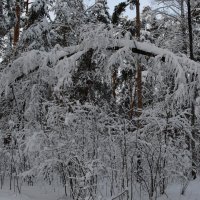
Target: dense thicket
{"x":69,"y":89}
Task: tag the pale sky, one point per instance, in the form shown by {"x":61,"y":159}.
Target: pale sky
{"x":130,"y":13}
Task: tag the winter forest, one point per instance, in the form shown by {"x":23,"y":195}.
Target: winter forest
{"x":97,"y":105}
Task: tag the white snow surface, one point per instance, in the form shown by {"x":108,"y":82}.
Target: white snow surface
{"x":33,"y":193}
{"x":174,"y":190}
{"x":49,"y":193}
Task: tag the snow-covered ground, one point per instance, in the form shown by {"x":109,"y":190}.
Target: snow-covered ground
{"x":192,"y":192}
{"x":48,"y":193}
{"x":32,"y":193}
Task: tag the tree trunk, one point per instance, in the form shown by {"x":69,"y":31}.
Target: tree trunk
{"x":139,"y":89}
{"x":193,"y":119}
{"x":138,"y":85}
{"x":194,"y":92}
{"x":17,"y":24}
{"x":190,"y":30}
{"x":183,"y":28}
{"x":1,"y":10}
{"x":139,"y":70}
{"x":26,"y":6}
{"x":114,"y":82}
{"x":138,"y":25}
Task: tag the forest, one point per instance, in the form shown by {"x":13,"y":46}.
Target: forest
{"x":97,"y":105}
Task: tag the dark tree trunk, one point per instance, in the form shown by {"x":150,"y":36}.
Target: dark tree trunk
{"x":114,"y":82}
{"x":26,"y":6}
{"x":139,"y":70}
{"x":138,"y":25}
{"x":17,"y":24}
{"x":190,"y":30}
{"x":183,"y":29}
{"x":194,"y":92}
{"x":1,"y":9}
{"x":138,"y":86}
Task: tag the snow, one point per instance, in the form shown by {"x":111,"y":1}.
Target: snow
{"x":32,"y":193}
{"x":49,"y":193}
{"x":174,"y":190}
{"x":63,"y":60}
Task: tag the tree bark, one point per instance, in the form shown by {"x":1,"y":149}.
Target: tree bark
{"x":17,"y":24}
{"x":139,"y":70}
{"x":190,"y":30}
{"x":138,"y":25}
{"x":1,"y":10}
{"x":26,"y":6}
{"x":183,"y":28}
{"x":114,"y":82}
{"x":138,"y":86}
{"x":194,"y":175}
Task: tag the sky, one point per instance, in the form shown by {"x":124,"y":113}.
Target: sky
{"x":130,"y":13}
